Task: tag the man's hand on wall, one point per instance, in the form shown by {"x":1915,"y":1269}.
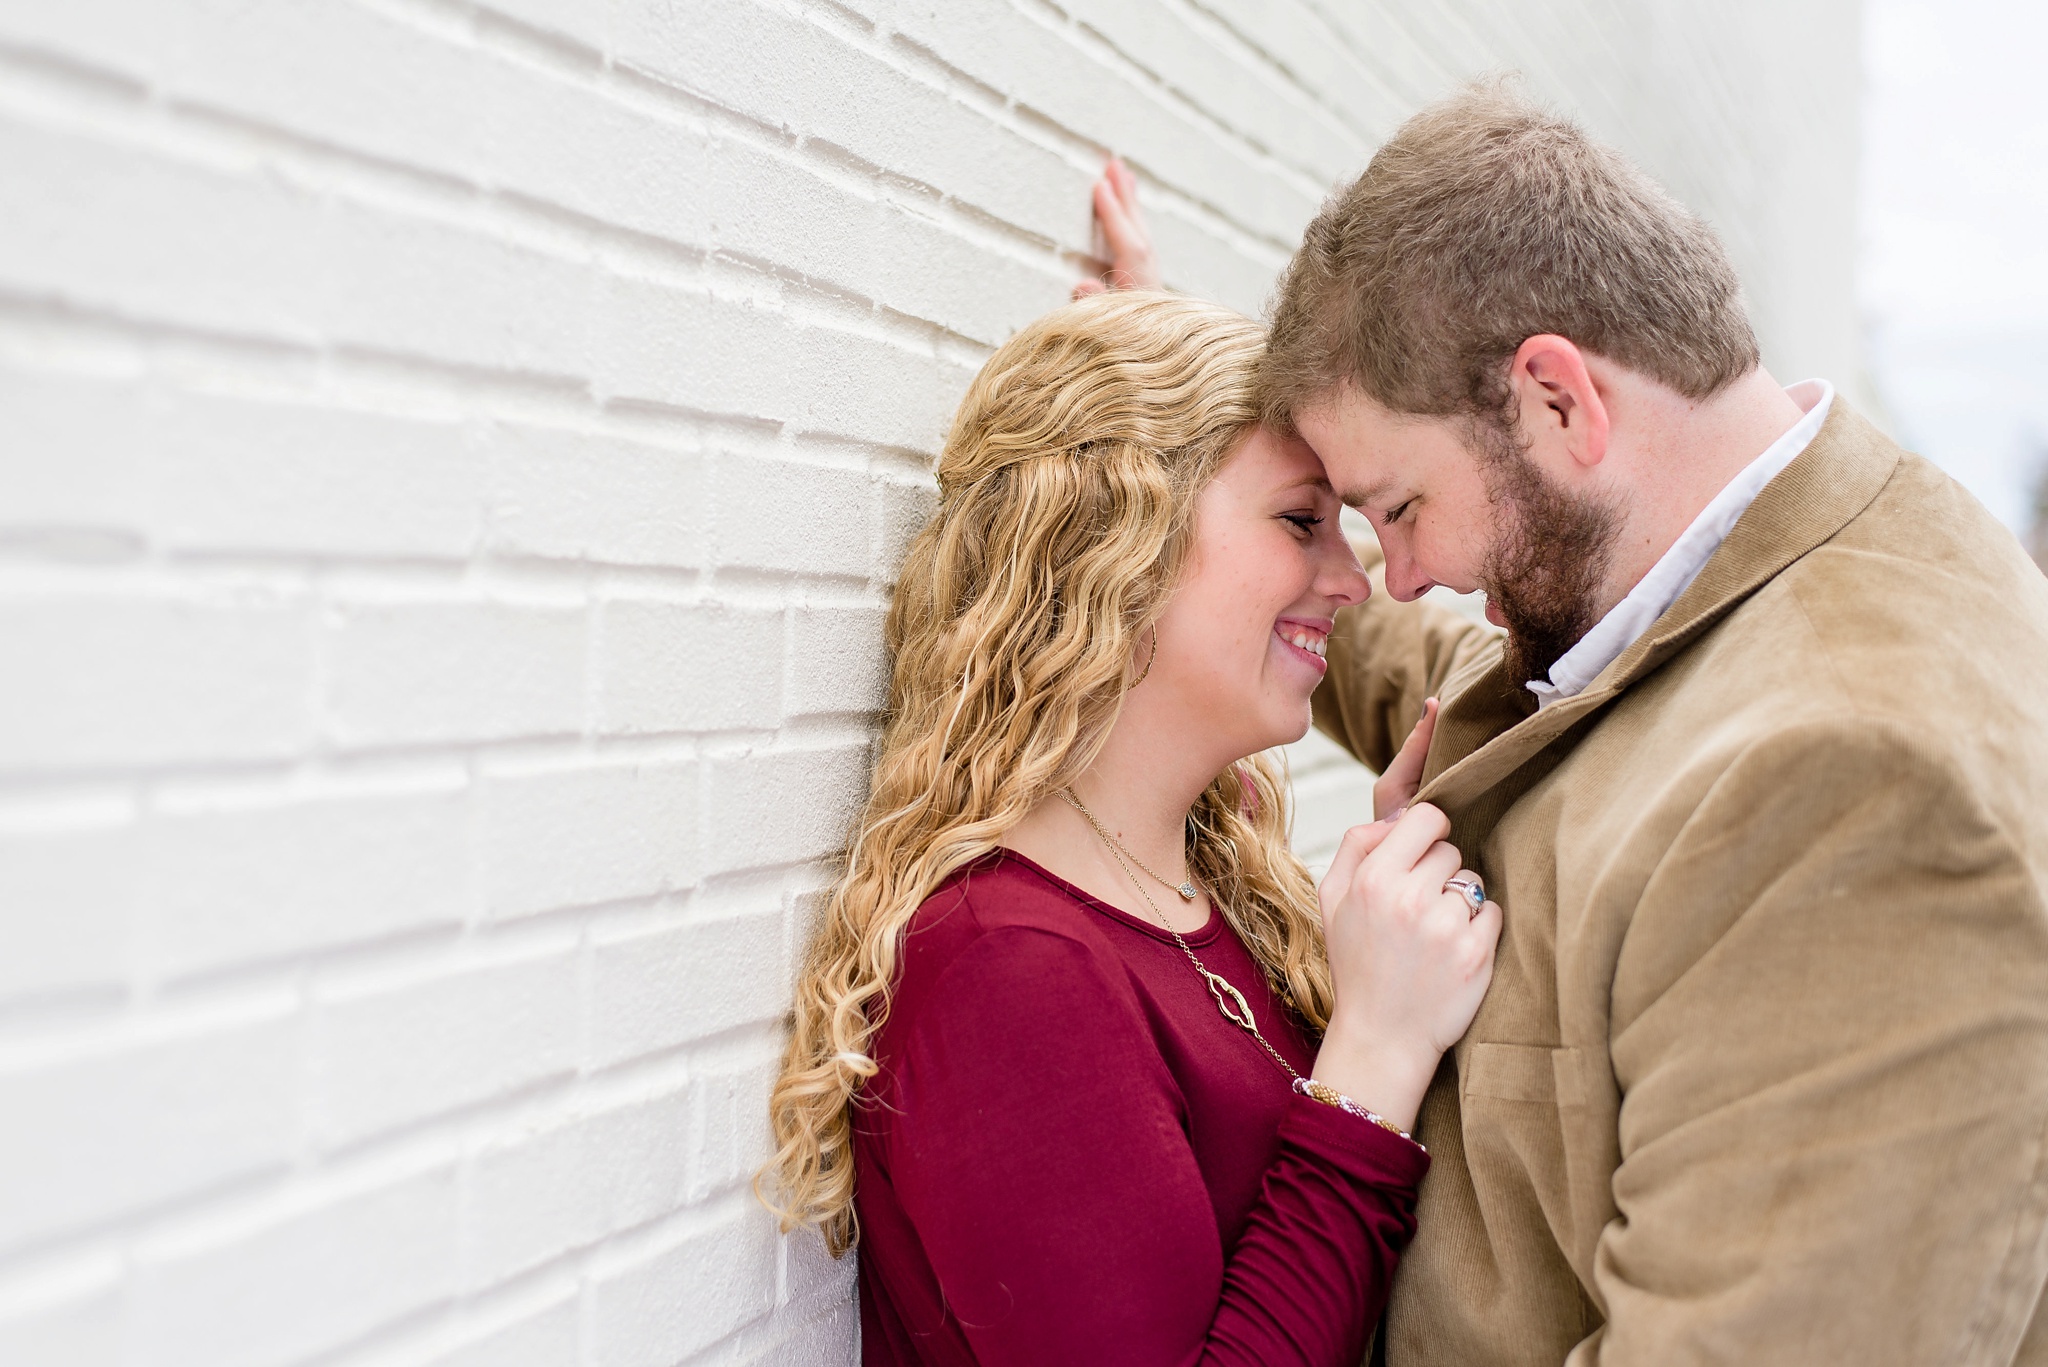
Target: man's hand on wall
{"x":1132,"y":265}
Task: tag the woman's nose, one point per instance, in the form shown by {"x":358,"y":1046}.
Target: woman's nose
{"x":1343,"y":580}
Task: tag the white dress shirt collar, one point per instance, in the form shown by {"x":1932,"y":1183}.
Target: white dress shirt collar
{"x":1672,"y":575}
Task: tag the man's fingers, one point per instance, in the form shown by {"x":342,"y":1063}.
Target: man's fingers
{"x":1088,"y":287}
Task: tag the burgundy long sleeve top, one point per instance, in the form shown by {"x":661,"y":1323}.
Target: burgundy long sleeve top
{"x":1069,"y":1156}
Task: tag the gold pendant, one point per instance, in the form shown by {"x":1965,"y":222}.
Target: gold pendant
{"x":1226,"y":995}
{"x":1186,"y":891}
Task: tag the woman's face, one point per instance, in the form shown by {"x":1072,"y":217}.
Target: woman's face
{"x":1240,"y":644}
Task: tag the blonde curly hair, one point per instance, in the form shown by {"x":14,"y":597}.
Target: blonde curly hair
{"x":1066,"y":508}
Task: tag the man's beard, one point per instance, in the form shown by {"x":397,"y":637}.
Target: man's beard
{"x":1546,"y":568}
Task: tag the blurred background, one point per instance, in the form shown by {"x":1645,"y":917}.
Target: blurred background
{"x":454,"y":458}
{"x":1953,"y":278}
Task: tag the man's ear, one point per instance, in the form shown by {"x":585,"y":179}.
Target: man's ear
{"x":1557,"y":403}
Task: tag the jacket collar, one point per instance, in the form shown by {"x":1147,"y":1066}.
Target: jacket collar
{"x":1489,"y":728}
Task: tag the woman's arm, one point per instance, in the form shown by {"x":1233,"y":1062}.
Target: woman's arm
{"x":1040,"y":1151}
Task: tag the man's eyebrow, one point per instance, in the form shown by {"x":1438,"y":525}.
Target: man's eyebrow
{"x":1358,"y":498}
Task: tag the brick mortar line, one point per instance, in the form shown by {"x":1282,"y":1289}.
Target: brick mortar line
{"x":483,"y":576}
{"x":1276,"y":65}
{"x":464,"y":1322}
{"x":450,"y":1140}
{"x":517,"y":219}
{"x":595,"y":70}
{"x":1112,"y":56}
{"x":449,"y":388}
{"x":761,"y":1336}
{"x":1001,"y":111}
{"x":620,"y":87}
{"x":1208,"y":29}
{"x":954,"y":80}
{"x":1087,"y":153}
{"x":527,"y":756}
{"x":1405,"y":85}
{"x":315,"y":583}
{"x":187,"y":360}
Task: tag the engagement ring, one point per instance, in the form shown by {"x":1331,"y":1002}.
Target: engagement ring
{"x":1468,"y":886}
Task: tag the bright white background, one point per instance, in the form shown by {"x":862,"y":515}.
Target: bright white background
{"x":1954,"y":278}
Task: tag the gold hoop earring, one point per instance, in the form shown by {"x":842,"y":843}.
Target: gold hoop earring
{"x":1148,"y":662}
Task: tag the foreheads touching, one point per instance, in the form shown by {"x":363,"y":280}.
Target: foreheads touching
{"x":1456,"y":331}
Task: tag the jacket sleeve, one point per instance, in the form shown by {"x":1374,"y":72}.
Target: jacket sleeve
{"x":1386,"y":659}
{"x":1830,"y":1032}
{"x":1042,"y":1156}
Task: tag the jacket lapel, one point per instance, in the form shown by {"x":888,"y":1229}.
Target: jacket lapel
{"x":1488,"y":732}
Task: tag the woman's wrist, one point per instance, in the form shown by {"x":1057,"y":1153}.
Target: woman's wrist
{"x":1380,"y":1074}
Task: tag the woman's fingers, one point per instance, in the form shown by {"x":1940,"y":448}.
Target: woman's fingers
{"x":1402,"y":779}
{"x":1439,"y":865}
{"x":1420,"y":827}
{"x":1483,"y":932}
{"x":1131,"y":264}
{"x":1126,"y":183}
{"x":1119,"y":230}
{"x":1358,"y":842}
{"x":1486,"y":924}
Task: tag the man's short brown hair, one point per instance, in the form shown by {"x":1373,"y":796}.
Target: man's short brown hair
{"x":1484,"y":221}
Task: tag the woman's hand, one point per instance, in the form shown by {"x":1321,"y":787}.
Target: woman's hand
{"x":1403,"y":778}
{"x":1409,"y":957}
{"x":1131,"y":263}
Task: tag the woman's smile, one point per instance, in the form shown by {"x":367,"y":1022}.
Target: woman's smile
{"x":1305,"y":640}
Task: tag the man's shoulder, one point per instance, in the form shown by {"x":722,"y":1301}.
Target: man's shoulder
{"x":1924,"y":522}
{"x":1924,"y":600}
{"x":1912,"y":642}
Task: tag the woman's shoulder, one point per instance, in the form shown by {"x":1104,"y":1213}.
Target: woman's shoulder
{"x":1002,"y":963}
{"x":1006,"y":913}
{"x":1002,"y":890}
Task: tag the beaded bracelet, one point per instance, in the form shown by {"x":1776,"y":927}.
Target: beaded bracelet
{"x":1330,"y":1096}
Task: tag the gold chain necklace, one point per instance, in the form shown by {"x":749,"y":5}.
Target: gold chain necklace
{"x":1186,"y":887}
{"x":1226,"y":994}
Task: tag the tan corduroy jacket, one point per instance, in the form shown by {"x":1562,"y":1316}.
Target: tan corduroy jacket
{"x":1762,"y":1077}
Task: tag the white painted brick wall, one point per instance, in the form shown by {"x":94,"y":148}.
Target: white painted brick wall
{"x":453,"y":460}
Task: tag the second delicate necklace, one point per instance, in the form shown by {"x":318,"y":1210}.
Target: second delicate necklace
{"x":1221,"y":988}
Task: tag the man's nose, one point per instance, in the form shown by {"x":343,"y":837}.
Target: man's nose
{"x":1405,"y":581}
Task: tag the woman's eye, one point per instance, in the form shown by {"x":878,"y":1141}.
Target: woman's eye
{"x":1302,"y":522}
